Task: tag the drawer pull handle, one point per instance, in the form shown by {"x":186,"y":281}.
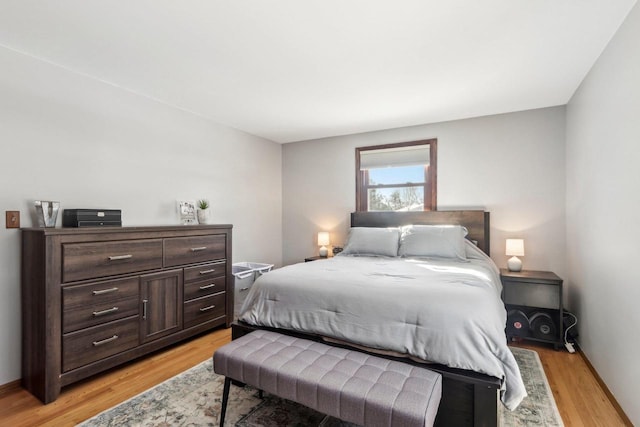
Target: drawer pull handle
{"x":144,"y":308}
{"x":107,"y":311}
{"x":105,"y":341}
{"x":201,"y":248}
{"x":208,"y":271}
{"x":119,"y":257}
{"x":244,"y":289}
{"x":213,"y":285}
{"x":207,"y":308}
{"x":105,"y":291}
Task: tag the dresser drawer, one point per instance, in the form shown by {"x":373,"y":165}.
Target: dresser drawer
{"x":81,"y":318}
{"x":86,"y":346}
{"x":189,"y":250}
{"x":99,"y":259}
{"x":202,"y":309}
{"x":81,"y":296}
{"x":89,"y":305}
{"x":205,"y":271}
{"x":204,"y":288}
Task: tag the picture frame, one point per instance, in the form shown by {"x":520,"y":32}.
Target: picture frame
{"x":187,"y":212}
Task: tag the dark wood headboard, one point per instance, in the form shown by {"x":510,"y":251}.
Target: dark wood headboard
{"x":477,"y":222}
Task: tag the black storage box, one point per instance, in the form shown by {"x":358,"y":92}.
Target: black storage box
{"x":92,"y":218}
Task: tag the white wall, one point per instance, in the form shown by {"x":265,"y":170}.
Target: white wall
{"x":85,"y":143}
{"x":603,"y":201}
{"x":511,"y":165}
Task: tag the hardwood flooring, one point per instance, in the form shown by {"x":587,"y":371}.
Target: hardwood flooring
{"x":83,"y":400}
{"x":580,"y":399}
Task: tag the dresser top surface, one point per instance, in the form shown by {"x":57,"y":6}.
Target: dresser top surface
{"x":155,"y":228}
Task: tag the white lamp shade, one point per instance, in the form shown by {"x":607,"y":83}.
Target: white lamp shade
{"x":323,"y":238}
{"x":515,"y":247}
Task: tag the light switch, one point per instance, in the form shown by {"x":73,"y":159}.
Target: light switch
{"x":13,"y":219}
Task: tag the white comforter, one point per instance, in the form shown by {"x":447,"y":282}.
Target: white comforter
{"x":446,"y":312}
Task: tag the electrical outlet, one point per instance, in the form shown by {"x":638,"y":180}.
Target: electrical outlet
{"x":13,"y":219}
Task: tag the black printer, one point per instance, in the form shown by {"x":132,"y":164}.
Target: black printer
{"x":92,"y":218}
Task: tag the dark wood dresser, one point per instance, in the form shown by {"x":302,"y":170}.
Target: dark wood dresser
{"x":94,"y":298}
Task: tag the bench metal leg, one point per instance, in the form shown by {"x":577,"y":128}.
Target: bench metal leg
{"x":225,"y":398}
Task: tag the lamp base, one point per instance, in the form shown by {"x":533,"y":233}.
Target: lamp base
{"x":323,"y":252}
{"x":514,"y":264}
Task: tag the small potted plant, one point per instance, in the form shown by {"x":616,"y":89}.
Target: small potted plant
{"x":203,"y":210}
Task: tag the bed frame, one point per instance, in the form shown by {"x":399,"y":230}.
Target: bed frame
{"x":468,"y":398}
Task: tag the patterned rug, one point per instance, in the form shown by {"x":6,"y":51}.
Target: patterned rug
{"x":193,"y":398}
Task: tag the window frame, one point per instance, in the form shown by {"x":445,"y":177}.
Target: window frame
{"x":430,"y":175}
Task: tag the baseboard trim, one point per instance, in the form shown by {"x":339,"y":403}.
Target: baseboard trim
{"x":606,"y":390}
{"x":9,"y":387}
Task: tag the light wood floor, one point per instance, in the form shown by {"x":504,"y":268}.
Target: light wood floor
{"x":580,"y":399}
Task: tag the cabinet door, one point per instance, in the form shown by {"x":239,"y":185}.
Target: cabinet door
{"x":161,"y":296}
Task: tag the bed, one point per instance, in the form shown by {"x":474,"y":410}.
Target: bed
{"x":438,"y":304}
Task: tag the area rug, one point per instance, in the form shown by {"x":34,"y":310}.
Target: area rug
{"x":193,"y":398}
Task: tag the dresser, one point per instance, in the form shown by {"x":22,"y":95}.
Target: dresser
{"x":94,"y":298}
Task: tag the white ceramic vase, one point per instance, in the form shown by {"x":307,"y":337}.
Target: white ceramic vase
{"x":203,"y":216}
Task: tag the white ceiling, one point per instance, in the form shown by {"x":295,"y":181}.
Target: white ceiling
{"x":291,"y":70}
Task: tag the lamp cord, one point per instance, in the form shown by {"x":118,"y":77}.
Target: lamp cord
{"x":575,"y":322}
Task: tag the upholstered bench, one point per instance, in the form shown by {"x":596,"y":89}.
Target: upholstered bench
{"x":346,"y":384}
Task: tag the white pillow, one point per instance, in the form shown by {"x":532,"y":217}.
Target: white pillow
{"x":433,"y":241}
{"x":372,"y":241}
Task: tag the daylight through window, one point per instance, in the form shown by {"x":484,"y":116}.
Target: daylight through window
{"x":396,"y":177}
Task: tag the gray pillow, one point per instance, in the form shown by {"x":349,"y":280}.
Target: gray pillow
{"x":433,"y":241}
{"x":372,"y":241}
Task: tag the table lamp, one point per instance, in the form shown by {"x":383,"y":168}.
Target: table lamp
{"x":515,"y":248}
{"x":323,"y":242}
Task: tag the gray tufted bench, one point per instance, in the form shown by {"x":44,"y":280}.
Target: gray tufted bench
{"x":347,"y":384}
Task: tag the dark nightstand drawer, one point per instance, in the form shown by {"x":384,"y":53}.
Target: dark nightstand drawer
{"x":518,"y":293}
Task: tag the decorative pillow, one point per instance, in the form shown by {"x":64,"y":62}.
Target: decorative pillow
{"x":372,"y":241}
{"x":433,"y":241}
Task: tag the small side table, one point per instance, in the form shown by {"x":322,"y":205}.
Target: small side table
{"x":314,"y":258}
{"x":533,"y":300}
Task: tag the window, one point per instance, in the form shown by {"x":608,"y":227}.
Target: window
{"x":396,"y":177}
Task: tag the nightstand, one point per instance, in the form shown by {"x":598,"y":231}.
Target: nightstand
{"x":533,"y":300}
{"x":314,"y":258}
